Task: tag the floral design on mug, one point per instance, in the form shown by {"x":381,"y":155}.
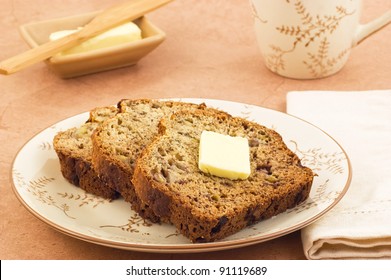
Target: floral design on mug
{"x":255,"y":14}
{"x":313,"y":29}
{"x":320,"y":64}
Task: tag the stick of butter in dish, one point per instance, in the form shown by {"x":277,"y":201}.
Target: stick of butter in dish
{"x":224,"y":156}
{"x":124,"y":33}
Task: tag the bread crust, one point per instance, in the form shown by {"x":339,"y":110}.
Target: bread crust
{"x":80,"y":173}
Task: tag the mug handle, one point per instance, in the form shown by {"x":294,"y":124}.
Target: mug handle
{"x":366,"y":30}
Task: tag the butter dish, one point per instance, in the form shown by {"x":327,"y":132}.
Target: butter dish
{"x":73,"y":65}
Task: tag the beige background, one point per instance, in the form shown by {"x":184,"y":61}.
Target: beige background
{"x":210,"y":52}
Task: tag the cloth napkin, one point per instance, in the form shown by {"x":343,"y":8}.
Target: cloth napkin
{"x":359,"y":226}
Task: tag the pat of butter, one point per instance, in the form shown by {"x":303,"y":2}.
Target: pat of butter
{"x":124,"y":33}
{"x":224,"y":156}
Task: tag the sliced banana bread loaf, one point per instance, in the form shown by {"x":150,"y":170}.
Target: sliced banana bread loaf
{"x":118,"y":141}
{"x":74,"y":150}
{"x":205,"y":207}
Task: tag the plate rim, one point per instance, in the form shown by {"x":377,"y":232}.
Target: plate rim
{"x":191,"y":247}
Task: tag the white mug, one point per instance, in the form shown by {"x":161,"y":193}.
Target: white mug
{"x":309,"y":39}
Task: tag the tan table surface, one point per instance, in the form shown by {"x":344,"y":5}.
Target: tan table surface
{"x":210,"y":52}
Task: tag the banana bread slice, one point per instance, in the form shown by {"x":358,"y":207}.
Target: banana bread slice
{"x":74,"y":150}
{"x":208,"y":208}
{"x":118,"y":141}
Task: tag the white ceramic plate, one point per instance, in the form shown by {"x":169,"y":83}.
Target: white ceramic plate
{"x":39,"y":185}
